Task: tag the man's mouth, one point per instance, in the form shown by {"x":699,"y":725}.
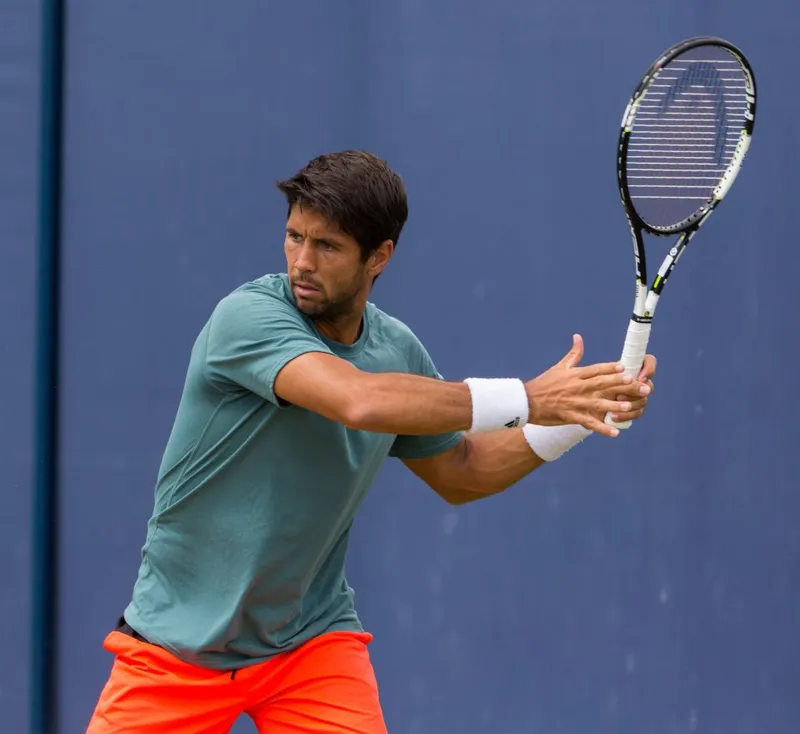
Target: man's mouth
{"x":305,"y":288}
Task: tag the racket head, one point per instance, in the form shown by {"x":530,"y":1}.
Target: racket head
{"x":685,"y":133}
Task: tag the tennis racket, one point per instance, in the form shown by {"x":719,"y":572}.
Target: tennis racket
{"x":684,"y":137}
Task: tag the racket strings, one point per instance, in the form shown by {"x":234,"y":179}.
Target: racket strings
{"x":685,"y":134}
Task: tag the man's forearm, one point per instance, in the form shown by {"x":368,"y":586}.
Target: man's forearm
{"x":385,"y":402}
{"x":409,"y":404}
{"x":488,"y":464}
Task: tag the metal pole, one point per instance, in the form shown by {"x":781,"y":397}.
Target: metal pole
{"x":45,"y":511}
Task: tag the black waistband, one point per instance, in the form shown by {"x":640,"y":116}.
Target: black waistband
{"x":126,"y":629}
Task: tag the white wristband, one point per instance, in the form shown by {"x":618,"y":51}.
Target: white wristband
{"x":550,"y":442}
{"x":497,"y":403}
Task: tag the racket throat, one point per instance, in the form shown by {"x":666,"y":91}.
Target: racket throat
{"x":645,"y":308}
{"x":641,"y":313}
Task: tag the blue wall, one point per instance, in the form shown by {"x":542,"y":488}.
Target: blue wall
{"x":19,"y":107}
{"x":642,"y":585}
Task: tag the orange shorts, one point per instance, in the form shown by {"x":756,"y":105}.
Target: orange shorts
{"x":327,"y":685}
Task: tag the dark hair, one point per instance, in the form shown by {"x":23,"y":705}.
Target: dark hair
{"x":356,"y":190}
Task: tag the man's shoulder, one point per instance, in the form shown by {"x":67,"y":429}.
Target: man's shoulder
{"x":266,"y":289}
{"x":271,"y":285}
{"x":253,"y":306}
{"x":400,"y":336}
{"x":392,"y":331}
{"x":391,"y":327}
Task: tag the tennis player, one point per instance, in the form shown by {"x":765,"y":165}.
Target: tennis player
{"x":297,"y":390}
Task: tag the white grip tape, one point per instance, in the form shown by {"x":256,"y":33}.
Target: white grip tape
{"x":633,"y":353}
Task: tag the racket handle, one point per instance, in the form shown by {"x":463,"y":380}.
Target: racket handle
{"x":633,"y":353}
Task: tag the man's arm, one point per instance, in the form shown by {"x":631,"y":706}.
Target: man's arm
{"x":478,"y":466}
{"x":406,"y":404}
{"x":386,"y":402}
{"x":489,"y":463}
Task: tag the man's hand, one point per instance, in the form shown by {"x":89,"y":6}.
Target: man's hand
{"x":568,"y":394}
{"x":638,"y":405}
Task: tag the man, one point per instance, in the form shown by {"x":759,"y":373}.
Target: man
{"x":296,"y":392}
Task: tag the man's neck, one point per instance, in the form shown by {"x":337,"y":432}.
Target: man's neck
{"x":344,"y":329}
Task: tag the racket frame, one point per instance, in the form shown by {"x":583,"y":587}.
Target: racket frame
{"x":646,"y":297}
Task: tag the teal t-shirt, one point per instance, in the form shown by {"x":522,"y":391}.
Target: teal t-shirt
{"x":245,"y":551}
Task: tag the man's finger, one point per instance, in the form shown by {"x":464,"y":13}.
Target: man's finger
{"x":601,"y":427}
{"x":640,"y":401}
{"x":635,"y":404}
{"x":602,"y":406}
{"x":648,"y":368}
{"x":617,"y":384}
{"x":601,"y":368}
{"x":631,"y":415}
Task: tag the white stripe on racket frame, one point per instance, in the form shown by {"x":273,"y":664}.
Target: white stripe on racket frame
{"x":735,"y":166}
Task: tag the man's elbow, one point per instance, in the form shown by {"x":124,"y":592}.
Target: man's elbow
{"x":359,"y":412}
{"x":458,"y":497}
{"x":459,"y":485}
{"x":348,"y":403}
{"x":367,"y":407}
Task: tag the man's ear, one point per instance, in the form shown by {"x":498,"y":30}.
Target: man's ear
{"x":380,"y":257}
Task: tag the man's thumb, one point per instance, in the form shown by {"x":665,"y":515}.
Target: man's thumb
{"x":574,"y":355}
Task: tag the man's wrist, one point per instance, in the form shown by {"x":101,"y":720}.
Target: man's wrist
{"x":551,"y":442}
{"x":497,"y":403}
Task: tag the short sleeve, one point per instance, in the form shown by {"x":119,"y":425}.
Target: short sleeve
{"x":252,"y":336}
{"x":421,"y":447}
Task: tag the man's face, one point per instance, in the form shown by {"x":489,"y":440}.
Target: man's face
{"x":325,"y":269}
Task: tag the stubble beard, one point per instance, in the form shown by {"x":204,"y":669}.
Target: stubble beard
{"x":332,"y":310}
